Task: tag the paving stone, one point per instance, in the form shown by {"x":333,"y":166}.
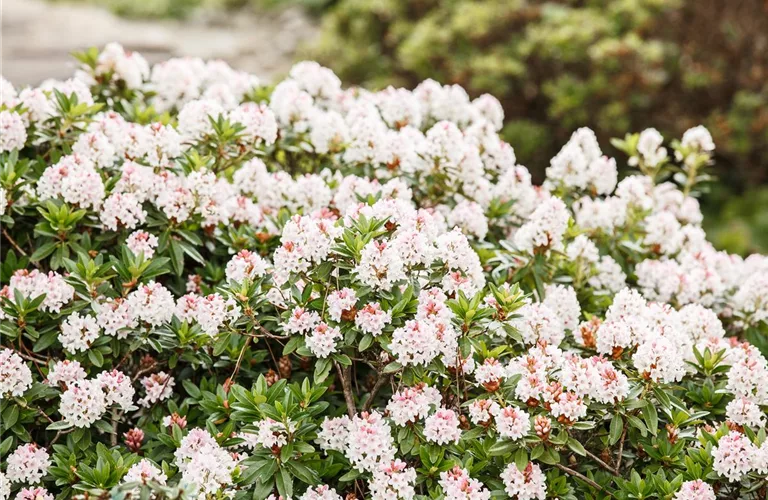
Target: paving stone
{"x":38,"y":38}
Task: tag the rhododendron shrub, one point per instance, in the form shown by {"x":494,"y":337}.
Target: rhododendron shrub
{"x":215,"y":288}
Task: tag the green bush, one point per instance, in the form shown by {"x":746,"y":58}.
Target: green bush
{"x":148,"y":9}
{"x":612,"y":65}
{"x":740,"y":222}
{"x":182,"y":9}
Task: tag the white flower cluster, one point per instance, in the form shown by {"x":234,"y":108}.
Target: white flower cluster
{"x":458,"y":485}
{"x":143,"y":472}
{"x":33,"y":284}
{"x":735,"y":455}
{"x":86,"y":400}
{"x":28,"y":463}
{"x":15,"y":375}
{"x":366,"y":441}
{"x":210,"y":312}
{"x":528,"y":484}
{"x":204,"y":465}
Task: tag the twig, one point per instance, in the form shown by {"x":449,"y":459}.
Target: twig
{"x":239,"y":360}
{"x":345,"y":376}
{"x":16,"y":246}
{"x":584,"y":478}
{"x":116,"y":414}
{"x":144,"y":370}
{"x":380,"y":381}
{"x":41,"y":412}
{"x":37,"y":365}
{"x":602,"y":463}
{"x":621,"y":451}
{"x":26,"y":406}
{"x":265,"y":333}
{"x":31,"y":354}
{"x":266,"y":336}
{"x":130,"y":352}
{"x":29,"y":357}
{"x":59,"y":434}
{"x":272,"y":355}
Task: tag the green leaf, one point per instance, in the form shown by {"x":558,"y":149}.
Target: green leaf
{"x":322,"y":369}
{"x":350,"y":476}
{"x":177,"y":256}
{"x":285,"y":483}
{"x":5,"y":446}
{"x":577,"y":447}
{"x":10,"y":416}
{"x":95,"y":357}
{"x":637,"y":424}
{"x":651,"y":417}
{"x":304,"y":473}
{"x":617,"y":427}
{"x":392,"y":367}
{"x":262,"y":490}
{"x":501,"y":448}
{"x":45,"y":341}
{"x":343,"y":359}
{"x":521,"y":459}
{"x":221,"y":344}
{"x":662,"y":397}
{"x":365,"y":342}
{"x":59,"y":426}
{"x":550,"y":456}
{"x":191,"y":389}
{"x":43,"y":251}
{"x":104,"y":426}
{"x":292,"y":345}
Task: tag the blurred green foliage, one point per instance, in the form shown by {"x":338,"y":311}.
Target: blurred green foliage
{"x":738,"y":223}
{"x":180,"y":9}
{"x":153,"y":9}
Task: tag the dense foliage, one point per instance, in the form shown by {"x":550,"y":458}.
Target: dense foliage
{"x":186,"y":9}
{"x":218,"y":289}
{"x":559,"y":65}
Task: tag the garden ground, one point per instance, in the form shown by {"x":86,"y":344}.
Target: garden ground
{"x":38,"y":38}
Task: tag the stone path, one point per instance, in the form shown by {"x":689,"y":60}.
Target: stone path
{"x":37,"y":38}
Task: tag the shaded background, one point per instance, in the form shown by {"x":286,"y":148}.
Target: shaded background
{"x":613,"y":65}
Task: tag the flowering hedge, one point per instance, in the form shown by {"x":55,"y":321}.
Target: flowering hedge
{"x":220,"y":289}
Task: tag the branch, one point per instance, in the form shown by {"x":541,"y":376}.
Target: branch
{"x":27,"y":406}
{"x":14,"y":244}
{"x":621,"y":451}
{"x":602,"y":463}
{"x":584,"y":478}
{"x":380,"y":381}
{"x":240,"y":360}
{"x":345,"y":374}
{"x":144,"y":371}
{"x":267,"y":334}
{"x":116,"y":414}
{"x":59,"y":434}
{"x":31,"y":358}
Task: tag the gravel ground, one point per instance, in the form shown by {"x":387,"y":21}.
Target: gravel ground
{"x":37,"y":38}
